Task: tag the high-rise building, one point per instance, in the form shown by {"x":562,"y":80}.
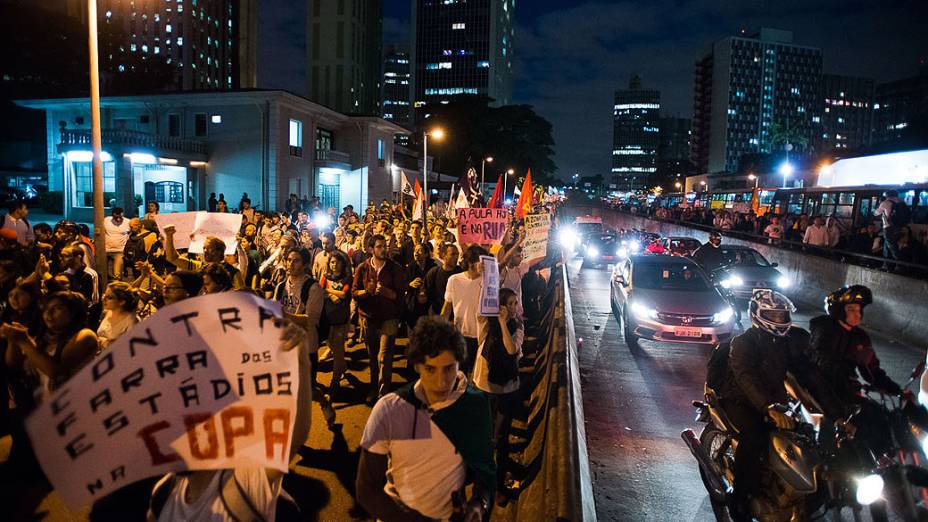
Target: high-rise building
{"x":462,"y":48}
{"x":746,"y":86}
{"x":343,"y":54}
{"x":846,"y":115}
{"x":635,"y":135}
{"x":196,"y":41}
{"x":675,"y":140}
{"x":397,"y":91}
{"x":897,"y":103}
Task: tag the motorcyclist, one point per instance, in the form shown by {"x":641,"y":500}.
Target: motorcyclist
{"x":754,"y":391}
{"x":841,"y":349}
{"x":710,"y":255}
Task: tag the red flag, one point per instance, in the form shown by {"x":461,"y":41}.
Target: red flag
{"x":417,"y":189}
{"x":524,"y":206}
{"x":496,"y":199}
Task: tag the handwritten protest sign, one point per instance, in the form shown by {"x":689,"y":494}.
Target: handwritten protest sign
{"x":483,"y":226}
{"x":537,"y":228}
{"x":201,"y":384}
{"x":216,"y":224}
{"x":183,"y":222}
{"x":489,"y":291}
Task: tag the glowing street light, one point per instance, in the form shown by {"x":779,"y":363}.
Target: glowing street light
{"x":786,"y":169}
{"x":753,"y":178}
{"x":677,"y":184}
{"x":438,"y":134}
{"x":483,"y":164}
{"x":509,"y":172}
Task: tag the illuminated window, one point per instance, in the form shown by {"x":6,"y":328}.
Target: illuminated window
{"x":458,"y":26}
{"x":168,"y":28}
{"x":296,"y":133}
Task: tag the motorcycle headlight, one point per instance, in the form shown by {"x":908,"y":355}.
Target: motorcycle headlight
{"x":643,"y":312}
{"x":622,"y":252}
{"x":592,"y":251}
{"x":732,"y":281}
{"x":634,"y":246}
{"x":724,"y":316}
{"x":869,"y":489}
{"x":783,"y":282}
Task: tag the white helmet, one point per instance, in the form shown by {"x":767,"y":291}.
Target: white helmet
{"x":771,"y":312}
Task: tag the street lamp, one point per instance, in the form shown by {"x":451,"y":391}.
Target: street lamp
{"x":437,"y":133}
{"x":509,"y":172}
{"x":483,"y":164}
{"x":677,"y":184}
{"x":703,"y":184}
{"x":786,"y":169}
{"x":96,"y":143}
{"x":753,"y":178}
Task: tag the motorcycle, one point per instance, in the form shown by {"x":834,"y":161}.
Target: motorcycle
{"x":790,"y":475}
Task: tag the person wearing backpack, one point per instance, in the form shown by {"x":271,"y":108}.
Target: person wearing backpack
{"x":895,"y":214}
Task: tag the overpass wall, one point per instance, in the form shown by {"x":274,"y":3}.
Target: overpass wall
{"x":900,"y":308}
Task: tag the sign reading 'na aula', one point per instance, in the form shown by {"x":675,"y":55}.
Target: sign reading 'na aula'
{"x":201,"y":384}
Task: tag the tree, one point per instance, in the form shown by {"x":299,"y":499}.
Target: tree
{"x":514,"y":135}
{"x":784,"y":134}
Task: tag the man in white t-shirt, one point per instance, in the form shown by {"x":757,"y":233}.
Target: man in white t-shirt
{"x":462,"y":295}
{"x":116,"y":233}
{"x":816,"y":234}
{"x":774,"y":231}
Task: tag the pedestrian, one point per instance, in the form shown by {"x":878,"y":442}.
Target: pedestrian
{"x":119,"y":304}
{"x":422,"y":443}
{"x":462,"y":297}
{"x":15,"y":220}
{"x":116,"y":233}
{"x":436,"y":279}
{"x":379,"y":287}
{"x":834,"y":231}
{"x":816,"y":234}
{"x":336,"y":312}
{"x":417,"y":303}
{"x":894,"y":214}
{"x":152,"y":208}
{"x":212,"y":202}
{"x":774,"y":231}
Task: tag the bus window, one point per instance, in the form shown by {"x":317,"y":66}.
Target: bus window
{"x":810,"y":205}
{"x":920,"y":212}
{"x":846,"y":198}
{"x":829,"y":198}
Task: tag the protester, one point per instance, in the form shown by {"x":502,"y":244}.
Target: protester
{"x":436,"y":279}
{"x":120,"y":301}
{"x":152,"y":209}
{"x":816,"y":234}
{"x":116,"y":233}
{"x":462,"y":297}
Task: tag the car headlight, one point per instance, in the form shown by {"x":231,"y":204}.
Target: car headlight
{"x":622,"y":252}
{"x":783,"y":282}
{"x":724,"y":316}
{"x":732,"y":281}
{"x":567,"y":237}
{"x":643,"y":312}
{"x":592,"y":251}
{"x":634,"y":246}
{"x":869,"y":489}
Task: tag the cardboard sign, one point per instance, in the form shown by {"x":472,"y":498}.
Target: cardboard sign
{"x":184,"y":224}
{"x":482,"y":226}
{"x":537,"y":229}
{"x":201,"y":384}
{"x":489,"y":291}
{"x":216,"y":224}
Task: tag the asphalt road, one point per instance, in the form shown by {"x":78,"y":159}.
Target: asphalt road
{"x":636,"y":405}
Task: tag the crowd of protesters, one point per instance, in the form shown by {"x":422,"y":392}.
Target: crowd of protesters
{"x":888,"y":234}
{"x":343,"y":280}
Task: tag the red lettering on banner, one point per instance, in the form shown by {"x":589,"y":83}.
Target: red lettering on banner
{"x":148,"y":437}
{"x":209,"y":425}
{"x":229,"y":432}
{"x":272,"y":437}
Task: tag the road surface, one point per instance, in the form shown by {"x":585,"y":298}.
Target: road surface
{"x":637,"y":404}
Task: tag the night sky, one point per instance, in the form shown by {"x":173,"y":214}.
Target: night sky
{"x":571,"y":55}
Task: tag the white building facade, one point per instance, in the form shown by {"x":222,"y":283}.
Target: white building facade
{"x":177,"y":148}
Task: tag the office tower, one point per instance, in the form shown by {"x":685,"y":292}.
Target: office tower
{"x":635,"y":136}
{"x":343,"y":54}
{"x":746,"y":87}
{"x":182,"y":45}
{"x":462,"y":48}
{"x":674,"y":139}
{"x":847,"y":113}
{"x":897,"y":104}
{"x":396,"y":85}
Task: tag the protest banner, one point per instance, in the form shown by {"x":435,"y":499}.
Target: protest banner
{"x":489,"y":290}
{"x":201,"y":384}
{"x":482,"y":226}
{"x":537,"y":229}
{"x":184,"y":224}
{"x":216,"y":224}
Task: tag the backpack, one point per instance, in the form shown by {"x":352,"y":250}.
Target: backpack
{"x":901,"y":215}
{"x":134,"y":250}
{"x":717,"y":367}
{"x":233,"y":497}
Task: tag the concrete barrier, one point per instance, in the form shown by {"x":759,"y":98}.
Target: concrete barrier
{"x":900,"y":304}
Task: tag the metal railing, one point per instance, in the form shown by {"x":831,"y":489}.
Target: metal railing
{"x":904,"y":268}
{"x":333,"y":155}
{"x":133,"y":138}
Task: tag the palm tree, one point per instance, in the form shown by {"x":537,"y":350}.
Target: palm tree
{"x":785,"y":135}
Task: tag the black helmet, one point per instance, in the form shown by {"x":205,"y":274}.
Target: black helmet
{"x":854,"y":294}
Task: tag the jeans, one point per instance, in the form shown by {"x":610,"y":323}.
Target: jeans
{"x":379,"y":337}
{"x":470,"y":357}
{"x":336,"y":343}
{"x":890,"y":242}
{"x":114,"y":265}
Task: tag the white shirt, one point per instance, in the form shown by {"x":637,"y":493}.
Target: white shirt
{"x":115,"y":235}
{"x":24,"y":233}
{"x":816,"y":235}
{"x":464,"y":295}
{"x":511,"y":278}
{"x":482,"y":366}
{"x":885,"y":210}
{"x":108,"y":331}
{"x":209,"y":506}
